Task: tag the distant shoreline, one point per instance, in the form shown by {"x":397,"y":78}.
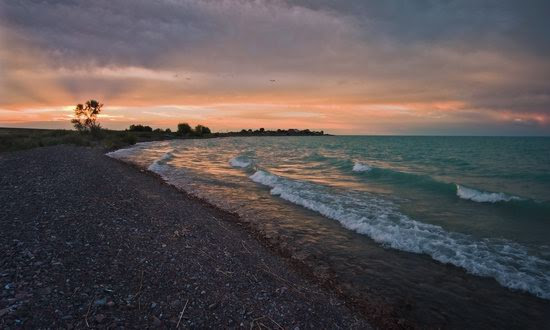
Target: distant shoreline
{"x":12,"y":139}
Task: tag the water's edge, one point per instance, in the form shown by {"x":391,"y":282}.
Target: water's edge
{"x":374,"y":309}
{"x":390,"y":287}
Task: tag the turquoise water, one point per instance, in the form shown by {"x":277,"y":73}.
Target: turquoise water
{"x":481,"y":204}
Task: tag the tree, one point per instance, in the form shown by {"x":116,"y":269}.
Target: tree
{"x":86,"y":117}
{"x":184,"y":129}
{"x":140,"y":128}
{"x":202,"y":130}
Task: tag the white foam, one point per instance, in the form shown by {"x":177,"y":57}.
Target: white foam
{"x":121,"y":153}
{"x":131,"y":151}
{"x":359,"y":167}
{"x":482,"y":196}
{"x":508,"y":262}
{"x":159,"y":165}
{"x":240,"y":161}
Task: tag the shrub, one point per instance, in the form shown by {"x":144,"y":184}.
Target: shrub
{"x":184,"y":129}
{"x":201,"y":130}
{"x":120,"y":140}
{"x":129,"y":139}
{"x":140,"y":128}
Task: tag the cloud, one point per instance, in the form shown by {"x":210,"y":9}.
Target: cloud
{"x":328,"y":57}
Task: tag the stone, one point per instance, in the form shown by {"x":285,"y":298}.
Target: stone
{"x":100,"y":302}
{"x":100,"y":318}
{"x":157,"y":322}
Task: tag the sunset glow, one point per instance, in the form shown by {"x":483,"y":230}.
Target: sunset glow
{"x":364,"y":67}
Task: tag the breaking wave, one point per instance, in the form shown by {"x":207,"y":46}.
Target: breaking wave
{"x":240,"y":161}
{"x":507,"y":262}
{"x":428,"y":183}
{"x":159,"y":165}
{"x":482,"y":196}
{"x":359,"y":167}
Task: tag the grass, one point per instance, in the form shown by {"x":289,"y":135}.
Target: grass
{"x":12,"y":139}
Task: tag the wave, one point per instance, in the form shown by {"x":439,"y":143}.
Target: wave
{"x":240,"y":161}
{"x":428,"y":183}
{"x":359,"y":167}
{"x":125,"y":152}
{"x":159,"y":165}
{"x":483,"y":196}
{"x":507,"y":262}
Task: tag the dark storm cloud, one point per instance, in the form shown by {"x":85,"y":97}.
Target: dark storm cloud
{"x":481,"y":23}
{"x":148,"y":33}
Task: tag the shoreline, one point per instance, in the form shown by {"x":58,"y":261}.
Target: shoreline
{"x":91,"y":241}
{"x":50,"y":178}
{"x":378,"y":313}
{"x":386,"y":283}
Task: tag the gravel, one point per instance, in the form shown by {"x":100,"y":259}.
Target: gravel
{"x":87,"y":241}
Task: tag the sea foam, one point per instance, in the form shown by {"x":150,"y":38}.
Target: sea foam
{"x":482,"y":196}
{"x":508,"y":262}
{"x":240,"y":161}
{"x":360,"y":167}
{"x":159,"y":165}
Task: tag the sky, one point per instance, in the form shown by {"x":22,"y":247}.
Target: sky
{"x":443,"y":67}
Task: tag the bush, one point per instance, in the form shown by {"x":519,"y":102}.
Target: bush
{"x":184,"y":129}
{"x":140,"y":128}
{"x":202,"y":130}
{"x":120,"y":140}
{"x":129,"y":139}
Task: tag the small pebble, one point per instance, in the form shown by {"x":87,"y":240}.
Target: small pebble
{"x":100,"y":318}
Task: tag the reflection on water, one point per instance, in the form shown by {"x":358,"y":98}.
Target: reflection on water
{"x":352,"y":204}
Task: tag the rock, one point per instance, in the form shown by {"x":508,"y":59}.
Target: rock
{"x":100,"y":302}
{"x":100,"y":318}
{"x":21,"y":296}
{"x":157,"y":322}
{"x":45,"y":291}
{"x":176,"y":303}
{"x":4,"y":311}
